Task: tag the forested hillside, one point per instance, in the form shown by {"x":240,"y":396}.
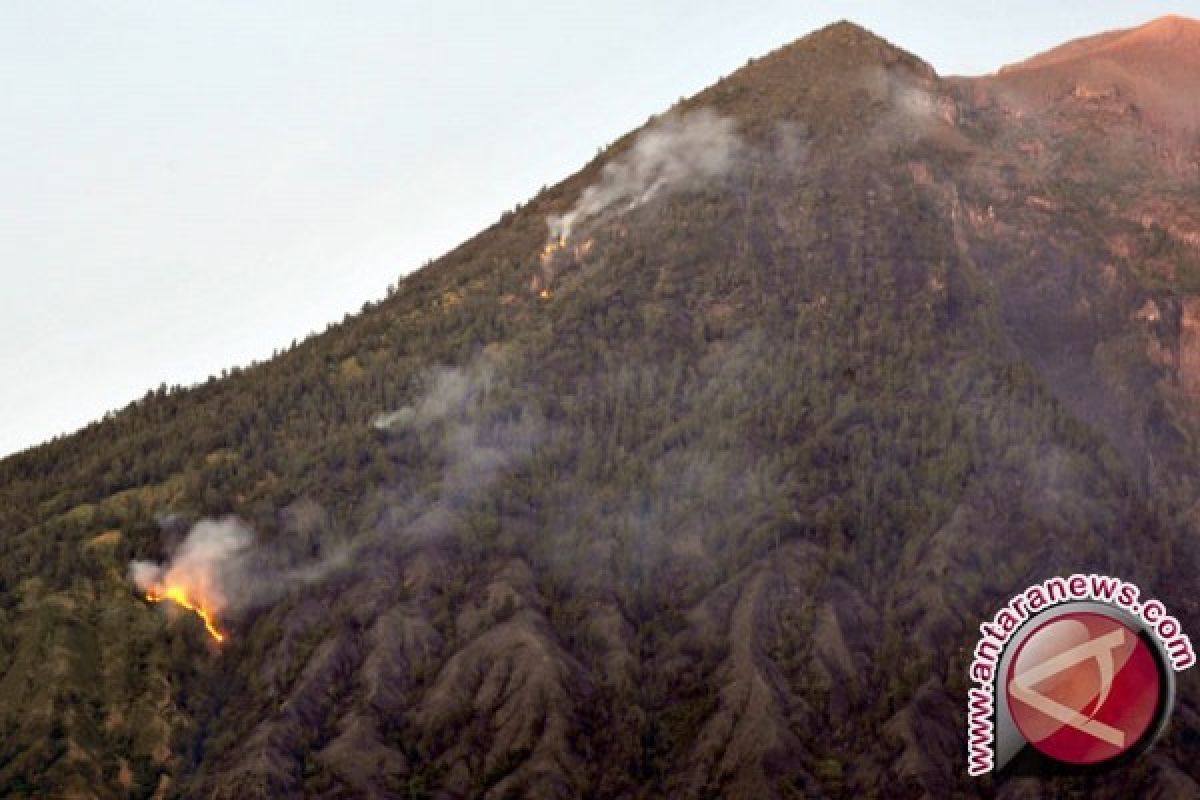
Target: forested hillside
{"x":691,"y":477}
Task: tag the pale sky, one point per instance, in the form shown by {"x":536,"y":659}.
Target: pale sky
{"x":186,"y":186}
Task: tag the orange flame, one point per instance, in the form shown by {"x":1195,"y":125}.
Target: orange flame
{"x":545,"y":294}
{"x":552,"y":247}
{"x":179,"y":596}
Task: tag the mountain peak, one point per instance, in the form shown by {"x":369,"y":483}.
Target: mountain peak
{"x":614,"y":513}
{"x":1154,"y":68}
{"x":845,"y":27}
{"x":848,"y":43}
{"x":1171,"y":30}
{"x":1171,"y":24}
{"x":837,"y":47}
{"x":817,"y":78}
{"x":1169,"y":36}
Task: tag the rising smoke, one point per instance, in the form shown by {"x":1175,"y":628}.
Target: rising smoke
{"x":914,"y":106}
{"x":675,"y":153}
{"x":204,"y":563}
{"x":224,"y":567}
{"x":222,"y":562}
{"x":450,"y":392}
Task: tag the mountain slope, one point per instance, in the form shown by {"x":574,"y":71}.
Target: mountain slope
{"x":702,"y":493}
{"x":1152,"y":69}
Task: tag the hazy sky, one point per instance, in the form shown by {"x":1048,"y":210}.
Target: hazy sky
{"x":186,"y":186}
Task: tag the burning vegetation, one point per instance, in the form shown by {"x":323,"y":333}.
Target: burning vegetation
{"x":200,"y":574}
{"x":180,"y":597}
{"x":552,"y":247}
{"x":556,"y":257}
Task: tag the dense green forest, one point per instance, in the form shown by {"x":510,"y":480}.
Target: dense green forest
{"x":718,"y":517}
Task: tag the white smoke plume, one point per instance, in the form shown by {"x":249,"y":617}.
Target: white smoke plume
{"x":221,"y":566}
{"x":204,"y":563}
{"x":675,"y":153}
{"x":450,"y":393}
{"x":476,"y":448}
{"x":915,"y":108}
{"x":386,"y":420}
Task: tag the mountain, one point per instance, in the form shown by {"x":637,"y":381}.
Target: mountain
{"x":1153,"y":71}
{"x":1166,"y":39}
{"x":692,"y":477}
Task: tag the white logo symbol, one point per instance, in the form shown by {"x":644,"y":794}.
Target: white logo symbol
{"x":1101,"y":649}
